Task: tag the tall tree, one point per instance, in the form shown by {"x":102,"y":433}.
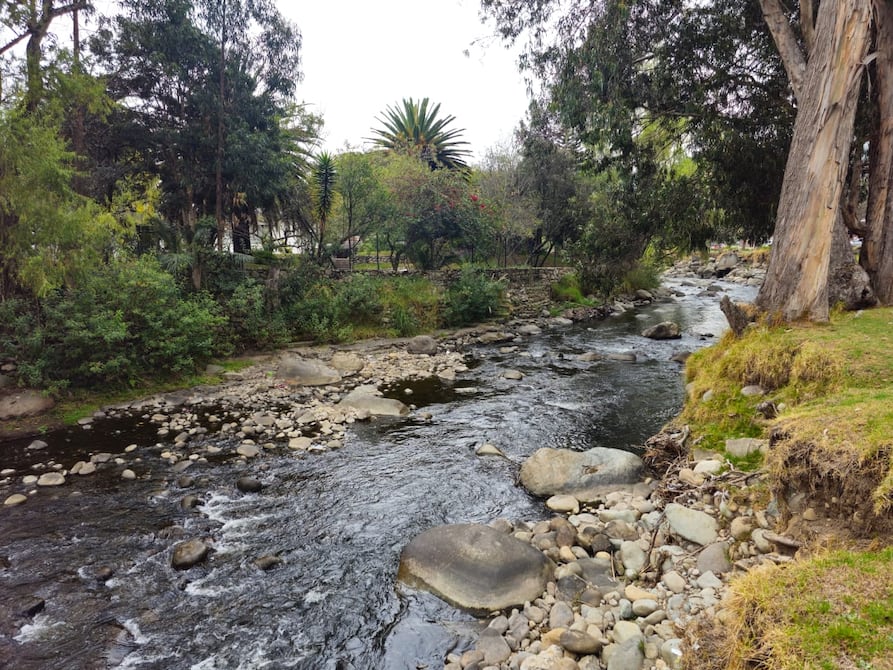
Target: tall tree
{"x":31,"y":20}
{"x":810,"y":207}
{"x":163,"y":60}
{"x":417,"y":130}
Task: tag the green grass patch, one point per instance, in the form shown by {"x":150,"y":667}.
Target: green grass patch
{"x":831,"y":611}
{"x":835,"y":382}
{"x":567,"y":290}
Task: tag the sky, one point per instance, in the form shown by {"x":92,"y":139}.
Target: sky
{"x":360,"y":57}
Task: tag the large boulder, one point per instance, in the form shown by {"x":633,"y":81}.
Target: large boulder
{"x":424,"y":345}
{"x":666,"y":330}
{"x":299,"y":371}
{"x":364,"y":399}
{"x":586,"y":475}
{"x":24,"y":403}
{"x":346,"y":362}
{"x":475,"y":567}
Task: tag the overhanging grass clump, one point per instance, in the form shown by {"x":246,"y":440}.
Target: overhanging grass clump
{"x":831,"y":611}
{"x":834,"y":438}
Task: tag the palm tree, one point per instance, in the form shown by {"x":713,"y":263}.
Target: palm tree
{"x":324,"y":176}
{"x":416,"y":130}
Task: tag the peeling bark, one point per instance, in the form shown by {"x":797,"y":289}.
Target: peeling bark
{"x":796,"y":283}
{"x":877,"y":246}
{"x":792,"y":56}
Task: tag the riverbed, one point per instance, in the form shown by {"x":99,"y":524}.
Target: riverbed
{"x":85,"y":569}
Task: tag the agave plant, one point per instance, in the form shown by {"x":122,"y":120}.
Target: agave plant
{"x":324,"y":177}
{"x":417,"y":130}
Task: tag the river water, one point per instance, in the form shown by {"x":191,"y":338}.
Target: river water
{"x":337,"y":520}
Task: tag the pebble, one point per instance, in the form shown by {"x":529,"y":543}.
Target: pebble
{"x":51,"y":479}
{"x":15,"y":499}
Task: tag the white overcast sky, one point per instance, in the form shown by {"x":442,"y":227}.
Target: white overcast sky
{"x":360,"y":57}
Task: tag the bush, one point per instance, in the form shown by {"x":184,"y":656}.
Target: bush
{"x":359,"y":300}
{"x":568,"y":289}
{"x":126,"y":321}
{"x":252,"y":325}
{"x":471,"y":299}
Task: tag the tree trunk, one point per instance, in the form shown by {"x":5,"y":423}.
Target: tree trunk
{"x":791,"y":56}
{"x":796,"y":283}
{"x":877,"y":245}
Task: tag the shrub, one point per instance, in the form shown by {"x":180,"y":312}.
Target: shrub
{"x":251,"y":323}
{"x":471,"y":299}
{"x":126,"y":321}
{"x":568,"y":289}
{"x":359,"y":300}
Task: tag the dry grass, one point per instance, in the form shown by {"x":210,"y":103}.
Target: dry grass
{"x":835,"y":437}
{"x":829,"y":612}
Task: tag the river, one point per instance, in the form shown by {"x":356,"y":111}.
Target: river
{"x":337,"y":520}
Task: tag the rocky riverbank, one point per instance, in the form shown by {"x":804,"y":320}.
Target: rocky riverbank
{"x":635,"y":571}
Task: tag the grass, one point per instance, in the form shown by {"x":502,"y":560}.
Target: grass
{"x":833,"y":439}
{"x":832,"y":611}
{"x":835,"y":381}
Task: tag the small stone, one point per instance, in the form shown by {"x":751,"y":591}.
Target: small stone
{"x":128,"y":474}
{"x":494,"y":646}
{"x":671,"y":653}
{"x":86,"y":469}
{"x":709,"y":581}
{"x":561,"y":616}
{"x":103,"y":573}
{"x":633,"y":557}
{"x":690,"y":524}
{"x":674,"y":581}
{"x":644,"y":607}
{"x":488,"y":449}
{"x":267,"y":561}
{"x":578,"y":642}
{"x":626,"y":630}
{"x":300,"y":443}
{"x":690,"y":477}
{"x":714,"y":559}
{"x":248,"y":484}
{"x":248,"y":450}
{"x":15,"y":499}
{"x":708,"y":467}
{"x":37,"y":445}
{"x":742,"y":447}
{"x":514,"y":375}
{"x":758,"y":537}
{"x":752,"y":391}
{"x":741,"y":528}
{"x":809,"y":514}
{"x":563,"y":503}
{"x":51,"y":479}
{"x":634,"y":593}
{"x":189,"y":553}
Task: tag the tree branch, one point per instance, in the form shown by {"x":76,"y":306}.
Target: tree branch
{"x":9,"y":45}
{"x":792,"y":56}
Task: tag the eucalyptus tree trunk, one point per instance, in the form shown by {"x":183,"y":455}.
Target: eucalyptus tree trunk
{"x":877,"y":246}
{"x":796,"y":283}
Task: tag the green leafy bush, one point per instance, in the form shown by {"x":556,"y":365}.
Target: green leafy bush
{"x":471,"y":298}
{"x":252,"y":324}
{"x":568,"y":289}
{"x":126,"y":321}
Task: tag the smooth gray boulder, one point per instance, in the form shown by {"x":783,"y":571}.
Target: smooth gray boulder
{"x":665,"y":330}
{"x":424,"y":345}
{"x":363,"y":400}
{"x":475,"y":567}
{"x":583,"y":474}
{"x":24,"y":403}
{"x":299,"y":371}
{"x":691,"y":524}
{"x":347,"y":362}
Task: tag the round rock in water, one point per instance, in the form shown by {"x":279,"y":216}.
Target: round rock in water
{"x":248,"y":484}
{"x":475,"y":567}
{"x":51,"y":479}
{"x":583,"y":474}
{"x":364,"y":401}
{"x":666,"y":330}
{"x":189,"y":553}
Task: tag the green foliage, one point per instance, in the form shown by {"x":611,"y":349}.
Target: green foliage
{"x":126,"y":321}
{"x":252,"y":324}
{"x":568,"y":290}
{"x":49,"y":236}
{"x":417,"y":131}
{"x":471,"y":299}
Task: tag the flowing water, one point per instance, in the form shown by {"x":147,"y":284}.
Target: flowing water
{"x":338,"y":520}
